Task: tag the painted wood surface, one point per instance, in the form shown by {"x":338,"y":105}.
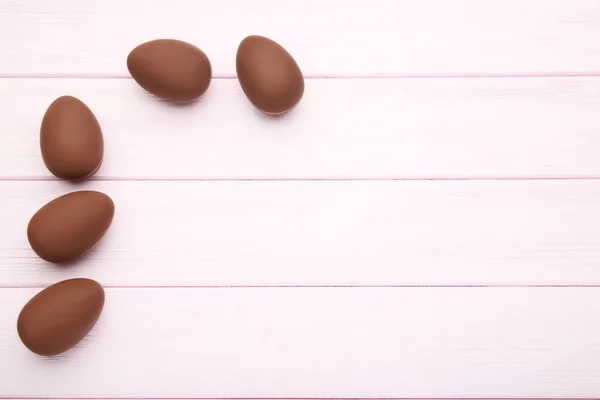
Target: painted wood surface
{"x":328,"y":38}
{"x":425,"y":224}
{"x":322,"y":233}
{"x":373,"y":128}
{"x":320,"y":342}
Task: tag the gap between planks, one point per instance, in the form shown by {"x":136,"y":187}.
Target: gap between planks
{"x":400,"y":286}
{"x":565,"y":74}
{"x":305,"y":179}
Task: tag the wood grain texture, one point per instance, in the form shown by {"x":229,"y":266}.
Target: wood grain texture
{"x":391,"y":128}
{"x":322,"y":233}
{"x":320,"y":342}
{"x":226,"y":220}
{"x":335,"y":37}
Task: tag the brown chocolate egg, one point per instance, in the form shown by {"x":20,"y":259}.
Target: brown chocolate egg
{"x":71,"y":139}
{"x":170,"y":69}
{"x":70,"y":225}
{"x":269,"y":75}
{"x":60,"y":316}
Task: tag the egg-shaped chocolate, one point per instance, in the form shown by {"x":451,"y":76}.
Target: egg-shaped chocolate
{"x":60,"y":316}
{"x":71,"y":139}
{"x":70,"y":225}
{"x":171,"y":69}
{"x":269,"y":76}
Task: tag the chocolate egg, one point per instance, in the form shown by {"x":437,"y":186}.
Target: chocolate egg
{"x":71,"y":139}
{"x":269,"y":75}
{"x":170,"y":69}
{"x":70,"y":225}
{"x":58,"y":317}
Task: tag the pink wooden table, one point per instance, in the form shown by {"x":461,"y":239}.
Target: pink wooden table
{"x":425,"y":224}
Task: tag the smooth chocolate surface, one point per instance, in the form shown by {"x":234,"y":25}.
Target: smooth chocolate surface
{"x":70,"y":225}
{"x":269,"y":76}
{"x":60,"y":316}
{"x":71,"y":139}
{"x":171,"y":69}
